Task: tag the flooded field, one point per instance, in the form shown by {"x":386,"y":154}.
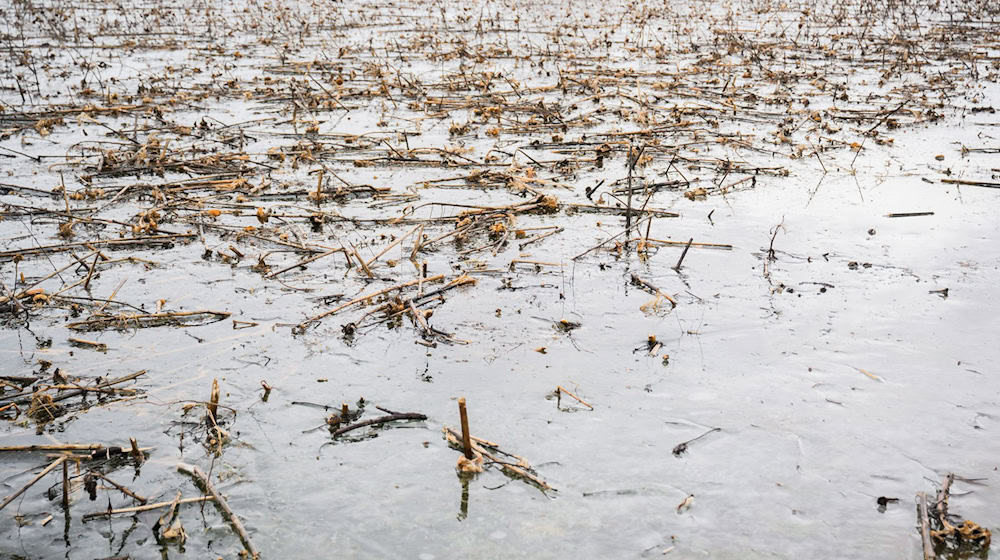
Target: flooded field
{"x":714,"y":280}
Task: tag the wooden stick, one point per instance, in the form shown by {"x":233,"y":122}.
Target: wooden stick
{"x":925,"y":527}
{"x":443,"y":236}
{"x":908,"y":214}
{"x":421,"y":321}
{"x":381,"y":420}
{"x":941,"y":504}
{"x":594,"y":209}
{"x":153,"y":239}
{"x":514,"y":262}
{"x":24,"y":291}
{"x":319,"y":186}
{"x":202,"y":479}
{"x":606,"y":241}
{"x":538,"y":237}
{"x":136,"y":454}
{"x":365,"y":297}
{"x":480,"y":446}
{"x":140,"y":320}
{"x":466,"y":442}
{"x":57,"y":447}
{"x":119,"y":487}
{"x":682,"y":447}
{"x":38,"y":477}
{"x":361,"y":261}
{"x":65,"y":488}
{"x":145,"y":507}
{"x":683,"y":254}
{"x":26,"y":397}
{"x":477,"y":442}
{"x":305,"y":262}
{"x":213,"y":402}
{"x":391,"y":245}
{"x":655,"y":291}
{"x":90,"y":273}
{"x":560,"y":390}
{"x":628,"y":211}
{"x":416,"y":245}
{"x":99,"y":346}
{"x":649,"y":225}
{"x":654,"y":241}
{"x":972,"y":183}
{"x":165,"y":519}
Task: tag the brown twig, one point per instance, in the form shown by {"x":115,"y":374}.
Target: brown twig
{"x":380,"y":420}
{"x":119,"y":487}
{"x":202,"y":479}
{"x":684,"y":253}
{"x":466,"y":441}
{"x":560,"y":390}
{"x":38,"y":477}
{"x":925,"y":527}
{"x":145,"y":507}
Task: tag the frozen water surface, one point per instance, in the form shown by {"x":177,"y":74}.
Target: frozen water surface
{"x":845,"y":352}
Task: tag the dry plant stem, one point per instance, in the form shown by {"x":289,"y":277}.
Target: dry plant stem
{"x":454,"y":283}
{"x":365,"y":297}
{"x":151,"y":240}
{"x":305,"y":262}
{"x":941,"y":509}
{"x":416,"y":244}
{"x":925,"y":526}
{"x":381,"y":420}
{"x":200,"y":476}
{"x":361,"y":261}
{"x":24,"y":290}
{"x":606,"y":241}
{"x":479,"y":446}
{"x":418,"y":316}
{"x":26,"y":396}
{"x":649,"y":213}
{"x":941,"y":504}
{"x":136,"y":453}
{"x":110,"y":298}
{"x":145,"y":507}
{"x":682,"y":447}
{"x":85,"y":389}
{"x":539,"y":237}
{"x":391,"y":245}
{"x":167,"y":516}
{"x":57,"y":447}
{"x":38,"y":477}
{"x":141,"y":320}
{"x":630,"y":162}
{"x":649,"y":225}
{"x":561,"y":390}
{"x":654,"y":241}
{"x":91,"y":343}
{"x":466,"y":442}
{"x":684,"y":253}
{"x":536,"y":263}
{"x":213,"y":403}
{"x":443,"y":236}
{"x":628,"y":212}
{"x":908,"y":214}
{"x":653,"y":289}
{"x":988,"y":184}
{"x":119,"y":487}
{"x":65,"y":486}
